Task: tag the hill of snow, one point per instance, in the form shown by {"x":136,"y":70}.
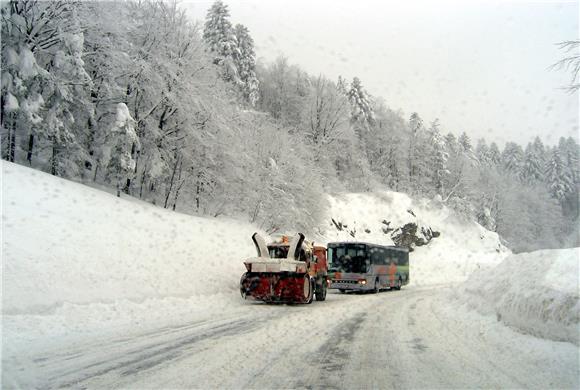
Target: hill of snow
{"x":537,"y":293}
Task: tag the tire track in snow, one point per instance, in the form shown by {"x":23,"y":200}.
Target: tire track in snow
{"x":139,"y":354}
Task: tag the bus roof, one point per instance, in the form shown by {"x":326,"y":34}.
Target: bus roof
{"x":398,"y":248}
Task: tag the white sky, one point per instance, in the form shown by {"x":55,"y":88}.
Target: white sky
{"x":478,"y":66}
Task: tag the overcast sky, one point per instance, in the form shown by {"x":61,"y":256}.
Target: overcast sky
{"x":478,"y":66}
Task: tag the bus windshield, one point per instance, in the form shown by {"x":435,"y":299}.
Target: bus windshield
{"x":348,"y":258}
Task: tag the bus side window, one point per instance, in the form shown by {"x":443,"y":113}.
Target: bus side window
{"x":384,"y":256}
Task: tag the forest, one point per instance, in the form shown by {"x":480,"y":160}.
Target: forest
{"x":135,"y":97}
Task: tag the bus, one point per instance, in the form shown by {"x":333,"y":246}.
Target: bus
{"x":360,"y":266}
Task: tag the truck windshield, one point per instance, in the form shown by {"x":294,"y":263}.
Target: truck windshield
{"x":278,"y":252}
{"x":348,"y":258}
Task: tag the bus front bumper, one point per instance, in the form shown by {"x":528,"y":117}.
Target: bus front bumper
{"x":354,"y":285}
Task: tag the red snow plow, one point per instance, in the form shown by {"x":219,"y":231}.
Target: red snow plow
{"x":285,"y":271}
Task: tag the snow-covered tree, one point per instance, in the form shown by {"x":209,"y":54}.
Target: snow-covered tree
{"x":532,"y":167}
{"x":465,"y":146}
{"x":494,"y":155}
{"x":362,"y":111}
{"x":245,"y":63}
{"x":439,"y":156}
{"x":220,"y":38}
{"x":512,"y":157}
{"x":558,"y":177}
{"x":124,"y":145}
{"x":482,"y":152}
{"x":327,"y":114}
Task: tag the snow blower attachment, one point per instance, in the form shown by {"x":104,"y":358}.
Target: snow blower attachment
{"x":289,"y":271}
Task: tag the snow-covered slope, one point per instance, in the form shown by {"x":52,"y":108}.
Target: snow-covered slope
{"x":462,"y":247}
{"x":537,"y":293}
{"x":65,"y":243}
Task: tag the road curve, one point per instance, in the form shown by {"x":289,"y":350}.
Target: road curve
{"x":413,"y":338}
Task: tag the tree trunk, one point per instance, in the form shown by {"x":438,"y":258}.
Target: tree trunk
{"x":30,"y":147}
{"x":11,"y":138}
{"x":171,"y":183}
{"x":179,"y":186}
{"x":53,"y":169}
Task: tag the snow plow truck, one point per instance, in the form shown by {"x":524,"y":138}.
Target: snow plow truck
{"x":285,"y":271}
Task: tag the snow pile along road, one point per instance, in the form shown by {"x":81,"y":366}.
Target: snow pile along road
{"x":537,"y":293}
{"x":462,"y":247}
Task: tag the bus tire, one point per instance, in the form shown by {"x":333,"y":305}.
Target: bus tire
{"x":399,"y":284}
{"x":342,"y":290}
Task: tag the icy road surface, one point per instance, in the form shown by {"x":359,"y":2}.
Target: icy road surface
{"x":413,"y":338}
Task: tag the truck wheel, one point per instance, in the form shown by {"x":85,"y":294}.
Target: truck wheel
{"x":321,"y":291}
{"x":308,"y":289}
{"x":312,"y":289}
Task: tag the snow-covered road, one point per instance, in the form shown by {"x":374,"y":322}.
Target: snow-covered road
{"x":414,"y":338}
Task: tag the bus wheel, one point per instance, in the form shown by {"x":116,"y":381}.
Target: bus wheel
{"x":399,"y":284}
{"x":377,"y":288}
{"x":342,"y":290}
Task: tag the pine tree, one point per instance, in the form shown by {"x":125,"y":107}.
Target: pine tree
{"x":465,"y":145}
{"x":362,"y":111}
{"x":246,"y":64}
{"x":415,"y":127}
{"x":532,"y":168}
{"x":512,"y":157}
{"x":482,"y":152}
{"x":221,"y":40}
{"x":558,"y":177}
{"x":494,"y":155}
{"x":439,"y":158}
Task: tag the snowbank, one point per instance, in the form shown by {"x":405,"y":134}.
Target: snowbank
{"x":537,"y":293}
{"x":65,"y":243}
{"x":462,"y":247}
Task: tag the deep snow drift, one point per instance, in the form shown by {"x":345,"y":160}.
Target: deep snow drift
{"x":537,"y":293}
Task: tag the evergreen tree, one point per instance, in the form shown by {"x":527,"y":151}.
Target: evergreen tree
{"x":221,"y":39}
{"x":558,"y":177}
{"x":512,"y":157}
{"x":362,"y":111}
{"x":482,"y":152}
{"x":494,"y":155}
{"x":246,"y":64}
{"x":415,"y":127}
{"x":532,"y":168}
{"x":439,"y":158}
{"x":465,"y":145}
